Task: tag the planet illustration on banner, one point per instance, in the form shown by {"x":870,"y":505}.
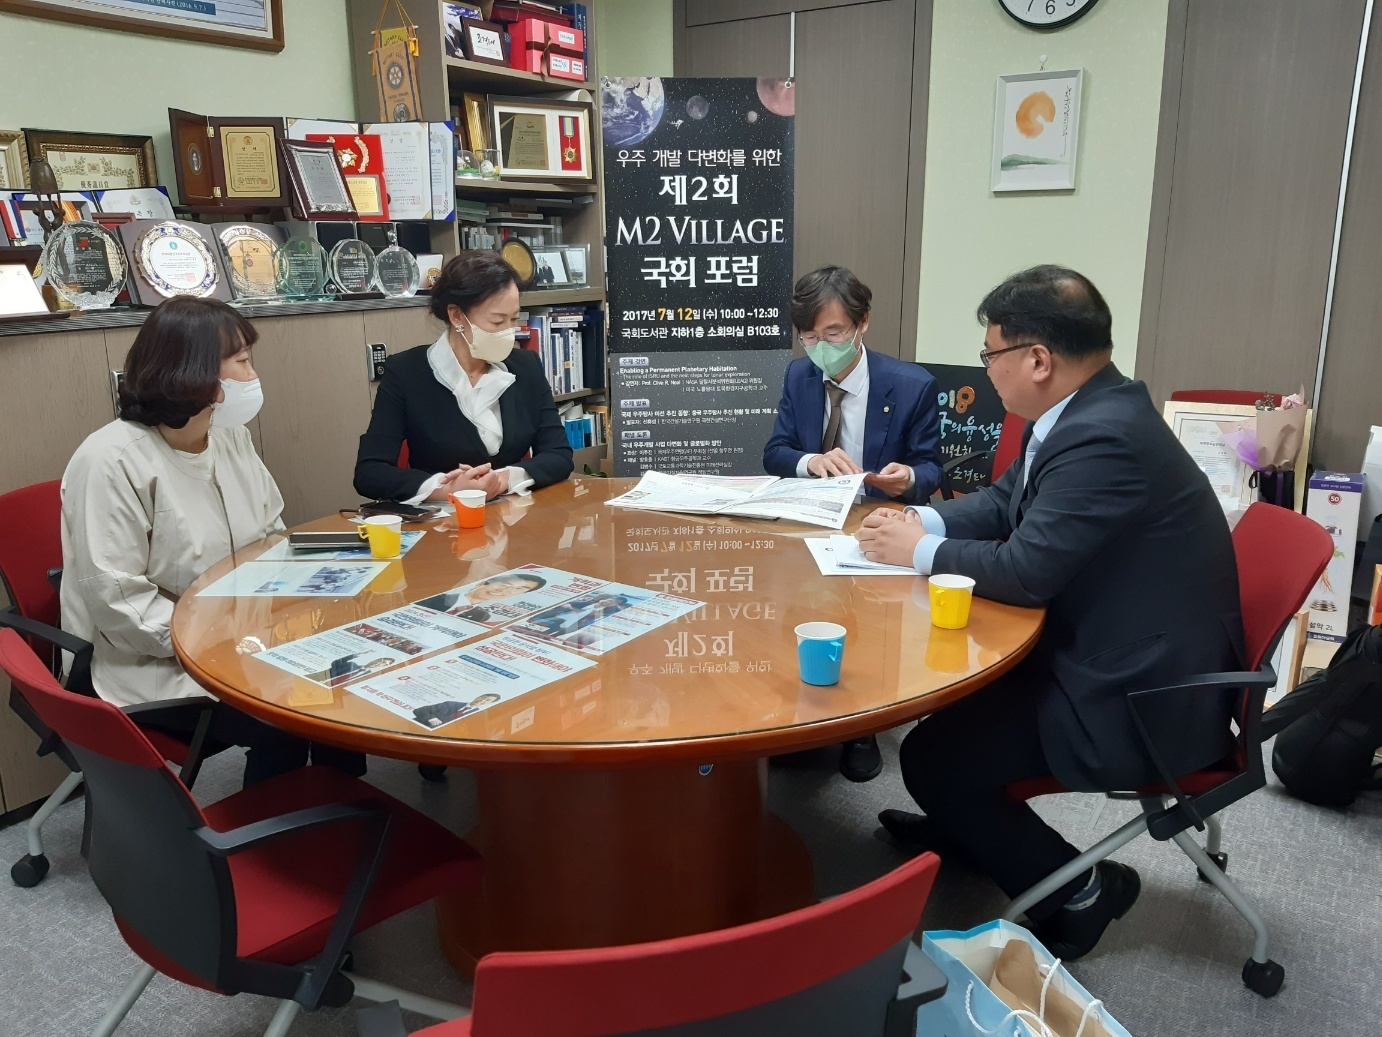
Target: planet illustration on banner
{"x":751,"y":117}
{"x":698,"y":107}
{"x":631,"y":108}
{"x":778,"y":96}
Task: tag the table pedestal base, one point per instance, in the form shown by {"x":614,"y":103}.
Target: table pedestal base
{"x":595,"y":859}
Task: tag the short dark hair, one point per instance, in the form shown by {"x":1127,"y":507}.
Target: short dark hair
{"x":537,"y":581}
{"x":1053,"y":305}
{"x":173,"y":370}
{"x":469,"y":279}
{"x":829,"y":284}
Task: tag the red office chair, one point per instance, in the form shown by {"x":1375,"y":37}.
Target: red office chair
{"x":1280,"y":555}
{"x":1004,"y":453}
{"x":30,"y":571}
{"x":259,"y":892}
{"x":1234,"y":397}
{"x":844,"y":966}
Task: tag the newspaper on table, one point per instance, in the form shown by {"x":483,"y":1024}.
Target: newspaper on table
{"x":501,"y":599}
{"x":358,"y":649}
{"x":447,"y":688}
{"x":607,"y":617}
{"x":294,"y":580}
{"x":841,"y":555}
{"x":818,"y":502}
{"x":284,"y":552}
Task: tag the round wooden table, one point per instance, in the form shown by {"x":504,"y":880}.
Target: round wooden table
{"x":626,"y":802}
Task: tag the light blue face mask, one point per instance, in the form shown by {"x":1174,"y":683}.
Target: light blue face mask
{"x":833,"y":357}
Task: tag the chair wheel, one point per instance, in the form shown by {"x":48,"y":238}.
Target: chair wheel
{"x":431,"y":772}
{"x":29,"y":870}
{"x":1220,"y":859}
{"x":1263,"y":977}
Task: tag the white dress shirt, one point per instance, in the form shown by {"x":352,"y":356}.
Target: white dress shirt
{"x":924,"y":557}
{"x":479,"y":404}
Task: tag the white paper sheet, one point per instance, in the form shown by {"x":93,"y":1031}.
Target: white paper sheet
{"x":606,"y":618}
{"x":440,"y":691}
{"x":841,"y":556}
{"x":442,"y":140}
{"x":360,"y":649}
{"x":295,"y":580}
{"x":819,"y":502}
{"x":407,"y":167}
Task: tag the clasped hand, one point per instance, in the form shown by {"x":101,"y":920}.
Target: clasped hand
{"x":476,"y":477}
{"x":890,"y":536}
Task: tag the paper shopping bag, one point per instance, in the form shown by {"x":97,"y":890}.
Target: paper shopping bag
{"x":971,"y":1008}
{"x":1280,"y":433}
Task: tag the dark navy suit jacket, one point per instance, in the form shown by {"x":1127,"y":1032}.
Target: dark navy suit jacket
{"x":903,"y":423}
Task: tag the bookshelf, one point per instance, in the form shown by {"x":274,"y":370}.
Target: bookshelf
{"x":442,"y":80}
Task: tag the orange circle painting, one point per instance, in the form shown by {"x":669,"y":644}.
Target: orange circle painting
{"x":1035,"y":113}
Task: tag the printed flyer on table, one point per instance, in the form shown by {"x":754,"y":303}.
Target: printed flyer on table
{"x":612,"y":615}
{"x":511,"y":595}
{"x":295,"y":580}
{"x":448,"y":688}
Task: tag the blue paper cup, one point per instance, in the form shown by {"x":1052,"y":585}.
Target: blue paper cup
{"x":820,"y":650}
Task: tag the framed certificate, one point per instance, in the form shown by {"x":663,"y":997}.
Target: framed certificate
{"x":243,"y":23}
{"x":94,"y":161}
{"x":231,"y":165}
{"x":319,"y":192}
{"x":540,"y":139}
{"x":367,"y":192}
{"x":1208,"y":433}
{"x":14,"y":161}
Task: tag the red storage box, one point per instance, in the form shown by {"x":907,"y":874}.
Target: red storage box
{"x":560,"y":39}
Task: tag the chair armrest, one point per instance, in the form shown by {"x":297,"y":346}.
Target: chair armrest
{"x":923,"y":981}
{"x":247,"y":837}
{"x":79,"y":677}
{"x":384,"y":1020}
{"x":326,"y":966}
{"x":973,"y":455}
{"x":1153,"y":738}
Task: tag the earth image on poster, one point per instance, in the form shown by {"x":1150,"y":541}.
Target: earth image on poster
{"x":631,"y":109}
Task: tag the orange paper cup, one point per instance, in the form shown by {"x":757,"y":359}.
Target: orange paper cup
{"x":470,"y":508}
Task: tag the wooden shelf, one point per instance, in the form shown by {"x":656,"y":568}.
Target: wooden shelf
{"x":470,"y":183}
{"x":579,"y":394}
{"x":559,"y":296}
{"x":466,"y":75}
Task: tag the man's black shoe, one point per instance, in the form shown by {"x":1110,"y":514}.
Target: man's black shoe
{"x":908,"y":831}
{"x":861,"y":760}
{"x":1070,"y":935}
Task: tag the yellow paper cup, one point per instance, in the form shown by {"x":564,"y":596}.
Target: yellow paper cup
{"x":385,"y":535}
{"x":950,"y":598}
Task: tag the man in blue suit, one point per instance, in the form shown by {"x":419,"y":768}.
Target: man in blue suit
{"x":847,"y":410}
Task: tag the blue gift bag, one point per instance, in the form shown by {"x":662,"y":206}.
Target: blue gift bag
{"x":971,"y":1009}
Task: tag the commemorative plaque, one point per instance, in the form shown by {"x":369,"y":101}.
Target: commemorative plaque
{"x":353,"y":267}
{"x":85,"y":265}
{"x":319,"y":191}
{"x":300,"y":269}
{"x":174,"y":259}
{"x":234,"y":164}
{"x":249,"y":250}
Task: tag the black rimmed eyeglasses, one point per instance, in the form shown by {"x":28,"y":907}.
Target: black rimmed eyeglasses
{"x":986,"y":355}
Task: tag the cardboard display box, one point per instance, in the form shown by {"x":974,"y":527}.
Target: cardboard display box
{"x":1335,"y":501}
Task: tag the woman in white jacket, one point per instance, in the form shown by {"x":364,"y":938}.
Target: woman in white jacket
{"x":154,"y":499}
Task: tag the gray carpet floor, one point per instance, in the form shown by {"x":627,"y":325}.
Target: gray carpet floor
{"x":1170,"y":968}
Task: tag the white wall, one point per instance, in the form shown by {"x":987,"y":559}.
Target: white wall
{"x":57,"y":76}
{"x":972,"y":238}
{"x":634,"y":37}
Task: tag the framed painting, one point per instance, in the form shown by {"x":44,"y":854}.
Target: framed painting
{"x":1036,"y":129}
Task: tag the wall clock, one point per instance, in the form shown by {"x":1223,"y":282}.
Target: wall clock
{"x":1047,"y":14}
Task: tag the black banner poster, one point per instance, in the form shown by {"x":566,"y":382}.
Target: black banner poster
{"x":698,"y":213}
{"x":694,"y":413}
{"x":971,"y":419}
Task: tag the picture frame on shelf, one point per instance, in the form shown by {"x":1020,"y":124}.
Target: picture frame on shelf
{"x":452,"y":16}
{"x":94,"y":161}
{"x":577,"y":264}
{"x":483,"y":42}
{"x":475,"y":112}
{"x":551,"y":268}
{"x":1036,"y":131}
{"x":542,"y":139}
{"x":319,"y":190}
{"x":14,"y":161}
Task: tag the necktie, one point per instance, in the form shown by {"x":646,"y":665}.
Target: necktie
{"x":1033,"y":445}
{"x":832,"y":427}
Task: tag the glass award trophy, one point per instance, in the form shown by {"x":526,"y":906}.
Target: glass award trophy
{"x":398,"y":271}
{"x":300,"y":269}
{"x":85,"y":265}
{"x":249,"y":256}
{"x":174,"y":259}
{"x":353,"y":267}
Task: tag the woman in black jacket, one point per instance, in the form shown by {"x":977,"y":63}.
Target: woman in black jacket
{"x":474,"y":412}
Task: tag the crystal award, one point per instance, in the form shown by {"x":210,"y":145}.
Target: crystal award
{"x":353,"y":267}
{"x":85,"y":265}
{"x":398,"y":272}
{"x":300,"y":269}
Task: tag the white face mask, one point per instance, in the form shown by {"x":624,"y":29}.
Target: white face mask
{"x":493,"y":347}
{"x":242,"y":402}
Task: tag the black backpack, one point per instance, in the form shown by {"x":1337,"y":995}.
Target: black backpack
{"x":1331,"y":726}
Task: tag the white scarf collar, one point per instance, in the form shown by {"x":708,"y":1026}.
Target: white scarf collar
{"x":479,"y":402}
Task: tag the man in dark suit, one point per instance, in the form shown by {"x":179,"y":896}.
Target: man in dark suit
{"x":847,"y":410}
{"x":1107,"y":523}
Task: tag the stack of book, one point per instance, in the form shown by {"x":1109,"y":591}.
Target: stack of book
{"x":570,"y":342}
{"x":586,"y":424}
